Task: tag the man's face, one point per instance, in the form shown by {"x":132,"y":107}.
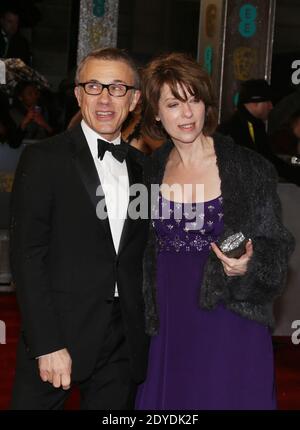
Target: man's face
{"x":10,"y":23}
{"x":261,"y":110}
{"x":104,"y":113}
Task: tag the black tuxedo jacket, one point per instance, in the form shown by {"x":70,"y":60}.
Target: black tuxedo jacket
{"x":16,"y":47}
{"x":63,"y":258}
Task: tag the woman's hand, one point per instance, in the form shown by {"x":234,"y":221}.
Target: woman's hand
{"x":40,"y":120}
{"x":234,"y":266}
{"x":29,"y":117}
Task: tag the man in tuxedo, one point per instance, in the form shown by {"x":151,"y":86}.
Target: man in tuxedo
{"x":12,"y":43}
{"x":247,"y":126}
{"x":78,"y":274}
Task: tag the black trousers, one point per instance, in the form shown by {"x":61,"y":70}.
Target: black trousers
{"x":109,"y":387}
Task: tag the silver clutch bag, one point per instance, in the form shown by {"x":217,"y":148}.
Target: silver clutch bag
{"x":234,"y":245}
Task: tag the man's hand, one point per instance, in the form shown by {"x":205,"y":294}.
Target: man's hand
{"x":56,"y":368}
{"x":234,"y":266}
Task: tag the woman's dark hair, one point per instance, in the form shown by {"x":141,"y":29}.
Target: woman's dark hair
{"x":176,"y":69}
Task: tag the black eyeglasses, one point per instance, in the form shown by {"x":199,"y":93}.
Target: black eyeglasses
{"x":96,"y":88}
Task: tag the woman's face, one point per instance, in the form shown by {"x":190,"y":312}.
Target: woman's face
{"x":182,"y":120}
{"x":30,"y":96}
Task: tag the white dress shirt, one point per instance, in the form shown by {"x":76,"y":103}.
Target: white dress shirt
{"x":113,"y":176}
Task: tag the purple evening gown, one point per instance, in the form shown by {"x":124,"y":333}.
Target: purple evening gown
{"x":201,"y":359}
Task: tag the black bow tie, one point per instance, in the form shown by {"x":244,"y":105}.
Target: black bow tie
{"x":118,"y":151}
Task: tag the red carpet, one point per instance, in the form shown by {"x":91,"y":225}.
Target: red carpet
{"x":287,"y":359}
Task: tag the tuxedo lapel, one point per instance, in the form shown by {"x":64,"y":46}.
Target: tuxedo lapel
{"x":85,"y":166}
{"x":135,"y":176}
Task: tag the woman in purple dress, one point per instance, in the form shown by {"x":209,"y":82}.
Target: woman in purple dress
{"x":210,"y":315}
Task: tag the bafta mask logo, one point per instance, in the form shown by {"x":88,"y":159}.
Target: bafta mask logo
{"x":95,"y":35}
{"x":210,"y":20}
{"x":244,"y":58}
